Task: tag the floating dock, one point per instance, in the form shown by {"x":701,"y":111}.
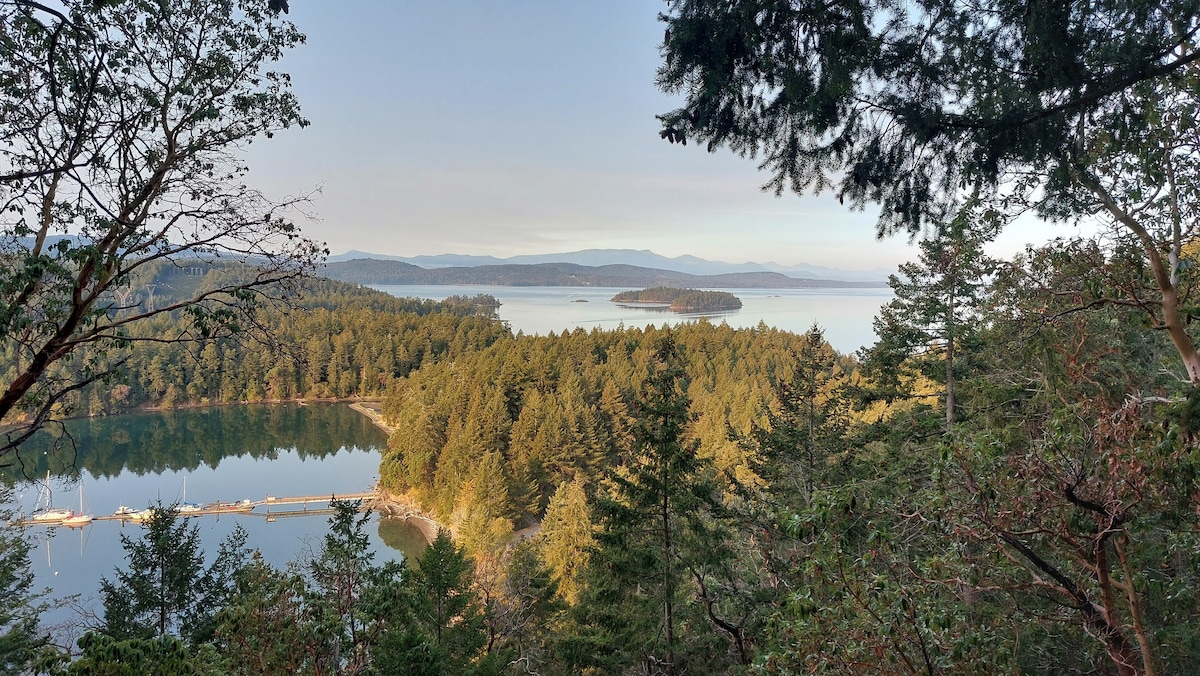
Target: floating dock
{"x":249,"y":507}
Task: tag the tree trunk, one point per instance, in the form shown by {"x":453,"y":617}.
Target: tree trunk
{"x":1172,"y":321}
{"x":949,"y":374}
{"x":668,"y":590}
{"x":1135,"y":606}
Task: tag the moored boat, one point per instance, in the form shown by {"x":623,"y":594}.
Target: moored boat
{"x":50,"y":515}
{"x":77,"y":520}
{"x":80,"y":519}
{"x":47,"y":512}
{"x":186,"y":507}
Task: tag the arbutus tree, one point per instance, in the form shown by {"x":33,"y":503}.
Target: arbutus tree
{"x":120,"y":128}
{"x":1073,"y":110}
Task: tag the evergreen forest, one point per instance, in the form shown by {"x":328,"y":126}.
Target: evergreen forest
{"x":682,"y":300}
{"x":1001,"y":483}
{"x":1006,"y":481}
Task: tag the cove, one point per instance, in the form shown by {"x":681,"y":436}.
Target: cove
{"x":226,"y":453}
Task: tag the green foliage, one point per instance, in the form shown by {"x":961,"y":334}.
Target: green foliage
{"x":1075,"y":469}
{"x":349,"y":342}
{"x":682,"y":300}
{"x":568,"y":537}
{"x":166,"y":589}
{"x":21,"y":640}
{"x":522,"y":609}
{"x":267,"y":626}
{"x":558,"y":407}
{"x":656,"y":533}
{"x":103,"y":655}
{"x":446,"y":631}
{"x":909,"y":106}
{"x":338,"y":612}
{"x":925,"y":332}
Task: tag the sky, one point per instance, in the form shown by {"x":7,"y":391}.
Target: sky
{"x":501,"y":128}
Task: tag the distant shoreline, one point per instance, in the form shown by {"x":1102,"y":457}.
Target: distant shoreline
{"x":372,"y":271}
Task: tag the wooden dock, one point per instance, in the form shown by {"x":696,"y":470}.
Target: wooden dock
{"x":271,"y":500}
{"x":248,"y":507}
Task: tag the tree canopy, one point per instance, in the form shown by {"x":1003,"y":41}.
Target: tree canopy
{"x":909,"y":104}
{"x":120,"y":127}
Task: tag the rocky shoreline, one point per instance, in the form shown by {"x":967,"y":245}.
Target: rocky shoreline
{"x":387,"y":504}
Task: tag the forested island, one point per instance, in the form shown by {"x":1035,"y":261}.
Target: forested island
{"x":682,"y":300}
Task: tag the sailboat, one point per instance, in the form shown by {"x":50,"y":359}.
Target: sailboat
{"x":186,"y":507}
{"x":48,"y":513}
{"x":79,"y":519}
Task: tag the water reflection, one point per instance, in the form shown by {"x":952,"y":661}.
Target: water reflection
{"x":186,"y":440}
{"x":226,"y":453}
{"x":403,"y":536}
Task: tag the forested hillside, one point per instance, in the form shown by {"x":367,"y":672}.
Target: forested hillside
{"x":493,"y":434}
{"x":338,"y":340}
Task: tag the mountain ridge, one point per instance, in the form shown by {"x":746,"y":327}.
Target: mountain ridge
{"x":396,"y":272}
{"x":636,"y":257}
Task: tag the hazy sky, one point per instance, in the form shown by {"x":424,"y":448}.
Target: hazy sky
{"x":523,"y":126}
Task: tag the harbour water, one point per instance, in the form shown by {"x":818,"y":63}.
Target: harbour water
{"x":226,"y":453}
{"x":844,"y":314}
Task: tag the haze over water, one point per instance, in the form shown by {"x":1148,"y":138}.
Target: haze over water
{"x":845,"y":314}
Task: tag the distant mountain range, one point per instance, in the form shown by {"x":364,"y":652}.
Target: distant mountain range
{"x":385,"y":272}
{"x":629,"y":257}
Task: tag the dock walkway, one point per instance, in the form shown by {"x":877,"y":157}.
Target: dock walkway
{"x":368,"y":499}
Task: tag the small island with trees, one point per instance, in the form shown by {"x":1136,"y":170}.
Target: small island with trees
{"x":682,"y":300}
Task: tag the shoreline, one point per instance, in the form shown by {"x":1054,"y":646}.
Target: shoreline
{"x":391,"y":506}
{"x":387,"y":504}
{"x":361,"y":405}
{"x":149,"y":407}
{"x":403,"y":507}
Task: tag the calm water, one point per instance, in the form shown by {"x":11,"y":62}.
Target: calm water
{"x":844,"y":314}
{"x":225,"y":453}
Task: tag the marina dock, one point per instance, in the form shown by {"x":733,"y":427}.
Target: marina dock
{"x":321,"y":502}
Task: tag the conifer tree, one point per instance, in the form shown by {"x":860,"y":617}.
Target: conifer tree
{"x":654,"y":527}
{"x":20,"y":637}
{"x":923,"y":330}
{"x":567,"y":538}
{"x":447,"y":617}
{"x":166,"y":589}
